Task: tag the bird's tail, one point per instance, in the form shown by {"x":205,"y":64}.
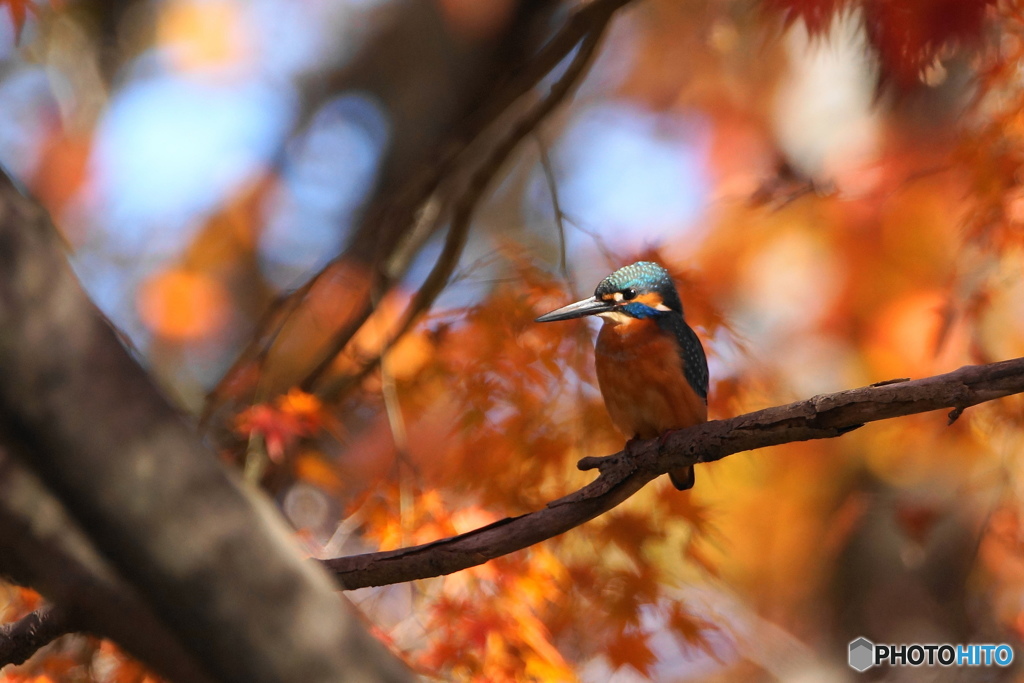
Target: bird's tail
{"x":682,"y":478}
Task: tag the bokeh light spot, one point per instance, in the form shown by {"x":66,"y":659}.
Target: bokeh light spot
{"x":202,"y":35}
{"x":170,"y":148}
{"x":324,"y":184}
{"x":183,"y":305}
{"x":635,"y":176}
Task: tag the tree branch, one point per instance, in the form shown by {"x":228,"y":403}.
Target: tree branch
{"x":20,"y":639}
{"x":625,"y":473}
{"x":401,"y":216}
{"x":44,"y":548}
{"x":465,"y":205}
{"x":166,"y":514}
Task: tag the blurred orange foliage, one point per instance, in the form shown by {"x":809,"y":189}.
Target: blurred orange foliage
{"x":290,"y":417}
{"x":816,"y":262}
{"x":180,"y":304}
{"x":203,"y":35}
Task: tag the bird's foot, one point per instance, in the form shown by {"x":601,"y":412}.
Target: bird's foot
{"x":683,"y":478}
{"x":631,"y":446}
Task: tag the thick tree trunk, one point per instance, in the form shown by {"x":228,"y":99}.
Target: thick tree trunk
{"x":214,"y":561}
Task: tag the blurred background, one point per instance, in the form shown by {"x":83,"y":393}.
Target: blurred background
{"x":835,"y":185}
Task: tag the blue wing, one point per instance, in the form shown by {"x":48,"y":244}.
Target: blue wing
{"x":695,"y":363}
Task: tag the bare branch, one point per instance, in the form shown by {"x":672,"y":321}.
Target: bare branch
{"x":268,"y":328}
{"x":44,"y":548}
{"x":20,"y":639}
{"x":623,"y":474}
{"x":399,"y":221}
{"x":556,"y":208}
{"x":466,"y":204}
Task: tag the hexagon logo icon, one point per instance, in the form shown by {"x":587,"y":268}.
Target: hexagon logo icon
{"x":862,"y":654}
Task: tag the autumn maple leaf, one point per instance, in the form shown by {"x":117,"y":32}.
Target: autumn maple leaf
{"x":281,"y":424}
{"x":306,"y":409}
{"x":632,"y":648}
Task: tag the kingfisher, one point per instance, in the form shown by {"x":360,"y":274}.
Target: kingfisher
{"x":651,"y":366}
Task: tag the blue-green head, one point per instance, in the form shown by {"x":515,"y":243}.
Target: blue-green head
{"x":640,"y":290}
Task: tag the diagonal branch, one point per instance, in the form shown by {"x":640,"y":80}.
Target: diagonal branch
{"x":43,"y":547}
{"x":465,"y":206}
{"x":20,"y":639}
{"x":168,"y":517}
{"x":623,"y":474}
{"x":399,"y":221}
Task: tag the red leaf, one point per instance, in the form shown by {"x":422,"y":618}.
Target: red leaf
{"x":690,"y":629}
{"x":19,"y":10}
{"x":631,"y":648}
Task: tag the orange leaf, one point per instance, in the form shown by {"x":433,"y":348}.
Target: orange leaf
{"x":312,"y":468}
{"x":691,"y":629}
{"x":293,"y":416}
{"x":305,"y":408}
{"x":279,"y":430}
{"x":183,"y":305}
{"x":629,"y":531}
{"x":698,"y":557}
{"x":631,"y":648}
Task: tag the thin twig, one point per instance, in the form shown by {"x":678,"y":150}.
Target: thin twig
{"x":570,"y":282}
{"x":556,"y":207}
{"x":424,"y":298}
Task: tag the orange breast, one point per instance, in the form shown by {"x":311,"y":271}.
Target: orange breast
{"x":642,"y":381}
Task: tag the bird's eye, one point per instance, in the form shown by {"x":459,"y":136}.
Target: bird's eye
{"x":628,"y":294}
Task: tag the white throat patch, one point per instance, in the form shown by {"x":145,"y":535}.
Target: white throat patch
{"x":615,"y":317}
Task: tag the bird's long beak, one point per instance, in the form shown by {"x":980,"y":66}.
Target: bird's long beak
{"x":580,"y":309}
